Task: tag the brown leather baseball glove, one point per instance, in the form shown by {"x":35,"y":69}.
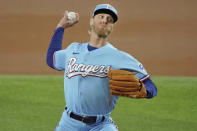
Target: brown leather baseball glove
{"x":125,"y":83}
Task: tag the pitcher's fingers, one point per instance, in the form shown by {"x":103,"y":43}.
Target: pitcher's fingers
{"x":66,"y":13}
{"x":77,"y":16}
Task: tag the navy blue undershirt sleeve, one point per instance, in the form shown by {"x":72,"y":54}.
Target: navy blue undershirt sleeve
{"x":150,"y":88}
{"x":55,"y":45}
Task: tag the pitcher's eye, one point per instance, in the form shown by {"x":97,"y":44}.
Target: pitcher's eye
{"x":110,"y":20}
{"x":101,"y":16}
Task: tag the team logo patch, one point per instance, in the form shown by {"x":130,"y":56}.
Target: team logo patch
{"x":108,"y":6}
{"x":141,"y":66}
{"x":74,"y":69}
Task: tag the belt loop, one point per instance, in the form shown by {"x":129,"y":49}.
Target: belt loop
{"x":100,"y":118}
{"x":103,"y":118}
{"x":67,"y":111}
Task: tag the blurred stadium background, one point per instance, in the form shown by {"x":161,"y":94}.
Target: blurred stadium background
{"x":159,"y":33}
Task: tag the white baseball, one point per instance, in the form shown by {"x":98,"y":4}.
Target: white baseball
{"x":71,"y":15}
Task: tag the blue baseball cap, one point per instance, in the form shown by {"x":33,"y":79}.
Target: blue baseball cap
{"x":108,"y":9}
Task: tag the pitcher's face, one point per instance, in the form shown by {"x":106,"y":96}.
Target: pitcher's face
{"x":102,"y":25}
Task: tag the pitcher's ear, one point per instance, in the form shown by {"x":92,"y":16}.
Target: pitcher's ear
{"x":91,"y":21}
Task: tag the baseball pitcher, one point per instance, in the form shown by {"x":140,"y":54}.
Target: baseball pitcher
{"x":96,"y":73}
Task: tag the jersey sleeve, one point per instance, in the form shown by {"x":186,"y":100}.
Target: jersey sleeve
{"x":60,"y":57}
{"x":134,"y":65}
{"x":143,"y":75}
{"x":129,"y":63}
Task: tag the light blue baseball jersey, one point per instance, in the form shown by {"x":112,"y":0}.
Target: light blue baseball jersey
{"x":86,"y":86}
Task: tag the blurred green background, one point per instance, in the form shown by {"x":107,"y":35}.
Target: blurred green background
{"x":30,"y":103}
